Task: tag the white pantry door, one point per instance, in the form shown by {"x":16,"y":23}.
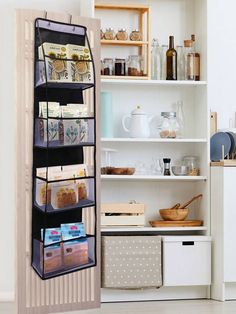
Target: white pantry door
{"x":79,"y":290}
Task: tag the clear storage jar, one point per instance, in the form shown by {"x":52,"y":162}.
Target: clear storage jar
{"x":193,"y":163}
{"x":135,"y":65}
{"x":169,"y":125}
{"x":108,"y":66}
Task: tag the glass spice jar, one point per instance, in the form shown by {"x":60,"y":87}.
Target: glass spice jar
{"x":101,"y":34}
{"x":135,"y":65}
{"x":102,"y":68}
{"x":122,"y":34}
{"x":136,"y":35}
{"x":108,"y":66}
{"x":169,"y":125}
{"x":109,"y":34}
{"x":120,"y":67}
{"x":192,"y":162}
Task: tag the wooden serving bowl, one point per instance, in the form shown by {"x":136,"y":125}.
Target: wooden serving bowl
{"x":122,"y":171}
{"x":174,"y":214}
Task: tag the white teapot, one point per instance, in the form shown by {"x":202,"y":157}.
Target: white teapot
{"x":139,"y":123}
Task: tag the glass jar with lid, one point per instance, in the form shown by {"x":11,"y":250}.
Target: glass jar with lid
{"x":108,"y":66}
{"x":109,"y":34}
{"x":122,"y":34}
{"x":193,"y":163}
{"x":169,"y":125}
{"x":120,"y":67}
{"x":136,"y":35}
{"x":135,"y":65}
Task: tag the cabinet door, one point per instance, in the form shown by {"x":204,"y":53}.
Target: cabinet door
{"x":79,"y":290}
{"x":229,"y":224}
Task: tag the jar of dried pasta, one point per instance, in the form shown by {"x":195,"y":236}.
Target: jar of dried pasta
{"x":109,"y":34}
{"x":136,"y":35}
{"x":122,"y":34}
{"x":192,"y":162}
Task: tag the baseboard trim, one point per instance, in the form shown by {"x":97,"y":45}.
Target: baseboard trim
{"x":7,"y":297}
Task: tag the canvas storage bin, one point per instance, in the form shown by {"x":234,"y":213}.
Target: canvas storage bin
{"x":130,"y":262}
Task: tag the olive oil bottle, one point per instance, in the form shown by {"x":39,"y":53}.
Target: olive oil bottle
{"x":171,"y":61}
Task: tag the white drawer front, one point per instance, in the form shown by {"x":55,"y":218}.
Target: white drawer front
{"x":186,"y":262}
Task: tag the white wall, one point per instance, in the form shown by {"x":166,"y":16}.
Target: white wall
{"x":7,"y":126}
{"x":221,"y":59}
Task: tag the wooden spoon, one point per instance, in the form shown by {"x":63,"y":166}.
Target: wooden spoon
{"x":189,"y":202}
{"x":176,"y":206}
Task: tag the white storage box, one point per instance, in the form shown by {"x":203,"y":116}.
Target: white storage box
{"x":123,"y":215}
{"x":186,"y":260}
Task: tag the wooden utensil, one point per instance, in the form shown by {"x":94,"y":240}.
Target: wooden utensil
{"x":192,"y":200}
{"x":176,"y":206}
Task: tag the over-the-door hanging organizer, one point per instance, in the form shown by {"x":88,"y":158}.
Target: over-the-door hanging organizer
{"x":64,"y":154}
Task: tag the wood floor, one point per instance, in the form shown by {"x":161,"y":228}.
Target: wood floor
{"x":161,"y":307}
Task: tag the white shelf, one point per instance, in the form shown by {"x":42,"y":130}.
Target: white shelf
{"x":152,"y":178}
{"x":153,"y":82}
{"x":151,"y":229}
{"x":153,"y":140}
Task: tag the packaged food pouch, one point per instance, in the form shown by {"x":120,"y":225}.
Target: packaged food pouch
{"x":72,"y":230}
{"x":56,"y":65}
{"x":50,"y":109}
{"x":80,"y":70}
{"x":83,"y":191}
{"x":75,"y":253}
{"x":64,"y":195}
{"x":51,"y":256}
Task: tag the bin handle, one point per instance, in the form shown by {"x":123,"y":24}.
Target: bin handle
{"x":188,"y":243}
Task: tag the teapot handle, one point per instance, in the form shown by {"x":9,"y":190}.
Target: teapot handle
{"x":124,"y":119}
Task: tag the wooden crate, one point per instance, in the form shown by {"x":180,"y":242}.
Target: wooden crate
{"x":123,"y":215}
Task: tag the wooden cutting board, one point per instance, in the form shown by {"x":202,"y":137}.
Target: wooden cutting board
{"x":183,"y":223}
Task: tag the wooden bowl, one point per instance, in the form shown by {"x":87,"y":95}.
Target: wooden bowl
{"x":121,"y":171}
{"x":174,"y":214}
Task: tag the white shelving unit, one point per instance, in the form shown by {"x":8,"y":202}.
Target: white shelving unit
{"x":153,"y":82}
{"x":151,"y":229}
{"x":154,"y":96}
{"x":152,"y":140}
{"x":153,"y":178}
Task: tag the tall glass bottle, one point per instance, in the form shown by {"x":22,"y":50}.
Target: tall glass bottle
{"x":196,"y":60}
{"x":180,"y":62}
{"x":171,"y":61}
{"x":155,"y":60}
{"x":164,"y":49}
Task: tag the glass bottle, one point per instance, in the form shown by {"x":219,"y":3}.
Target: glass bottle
{"x":155,"y":60}
{"x":164,"y":49}
{"x":180,"y":118}
{"x":180,"y":62}
{"x":196,"y":60}
{"x":171,"y":61}
{"x":189,"y":60}
{"x":166,"y":162}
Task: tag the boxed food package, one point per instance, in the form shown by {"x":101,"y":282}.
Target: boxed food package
{"x":64,"y":195}
{"x":80,"y":70}
{"x":51,"y":109}
{"x":51,"y":257}
{"x":75,"y":252}
{"x":56,"y":65}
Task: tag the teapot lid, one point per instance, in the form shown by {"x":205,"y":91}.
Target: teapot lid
{"x":138,"y":111}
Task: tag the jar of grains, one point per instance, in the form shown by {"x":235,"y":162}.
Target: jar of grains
{"x":193,"y":163}
{"x":136,"y":35}
{"x":122,"y":34}
{"x":109,"y":34}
